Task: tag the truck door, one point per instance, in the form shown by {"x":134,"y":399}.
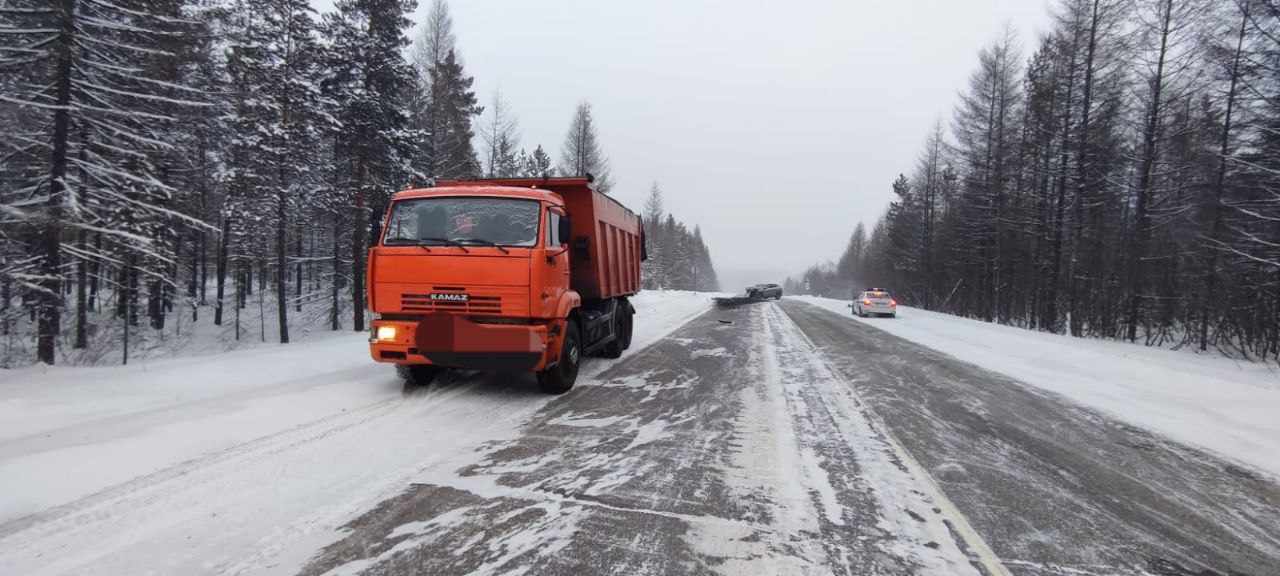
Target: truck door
{"x":557,"y":261}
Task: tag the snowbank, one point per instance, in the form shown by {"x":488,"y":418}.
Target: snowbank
{"x":1224,"y":405}
{"x":659,"y":312}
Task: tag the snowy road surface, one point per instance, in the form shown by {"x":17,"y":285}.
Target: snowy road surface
{"x":777,"y":438}
{"x":1225,"y":405}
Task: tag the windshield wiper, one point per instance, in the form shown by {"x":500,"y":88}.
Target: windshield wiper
{"x":446,"y":242}
{"x":484,"y":242}
{"x":404,"y":242}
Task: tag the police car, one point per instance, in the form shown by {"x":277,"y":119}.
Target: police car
{"x":875,"y":302}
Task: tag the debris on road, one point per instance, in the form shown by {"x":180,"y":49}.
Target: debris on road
{"x":757,"y":293}
{"x":735,"y":301}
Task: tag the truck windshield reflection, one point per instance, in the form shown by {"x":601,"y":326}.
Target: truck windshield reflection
{"x":496,"y":221}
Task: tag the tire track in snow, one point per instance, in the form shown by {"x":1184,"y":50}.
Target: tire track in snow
{"x":843,"y":408}
{"x":118,"y":518}
{"x":112,"y":500}
{"x":923,"y":527}
{"x":122,"y":425}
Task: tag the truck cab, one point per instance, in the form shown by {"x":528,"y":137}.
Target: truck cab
{"x":505,"y":275}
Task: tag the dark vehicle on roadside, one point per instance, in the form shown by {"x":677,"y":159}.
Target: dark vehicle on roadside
{"x":764,"y":292}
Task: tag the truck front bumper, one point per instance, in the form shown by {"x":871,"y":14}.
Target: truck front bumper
{"x":453,"y":341}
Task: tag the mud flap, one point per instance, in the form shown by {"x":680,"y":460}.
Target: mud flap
{"x":597,"y":326}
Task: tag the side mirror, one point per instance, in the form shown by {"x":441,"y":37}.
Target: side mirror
{"x":564,"y":229}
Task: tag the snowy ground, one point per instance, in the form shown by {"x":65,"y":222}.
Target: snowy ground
{"x":233,"y":451}
{"x":772,"y":438}
{"x":1227,"y":406}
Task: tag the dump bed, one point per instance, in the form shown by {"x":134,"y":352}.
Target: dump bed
{"x":606,"y":239}
{"x":607,"y":244}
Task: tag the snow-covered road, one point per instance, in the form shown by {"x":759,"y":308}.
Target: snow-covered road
{"x":1206,"y":400}
{"x":775,"y":438}
{"x":1054,"y":487}
{"x":238,"y":462}
{"x":727,"y":448}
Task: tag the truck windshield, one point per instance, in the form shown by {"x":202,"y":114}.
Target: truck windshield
{"x":479,"y":220}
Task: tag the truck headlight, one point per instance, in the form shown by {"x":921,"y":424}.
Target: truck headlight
{"x":386,"y":333}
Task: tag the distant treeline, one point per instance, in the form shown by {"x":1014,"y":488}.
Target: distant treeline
{"x":172,"y":158}
{"x":678,"y":259}
{"x":1123,"y":182}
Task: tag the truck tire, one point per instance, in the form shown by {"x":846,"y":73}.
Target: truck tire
{"x":559,"y":379}
{"x":621,"y":323}
{"x":419,"y":375}
{"x":628,"y":323}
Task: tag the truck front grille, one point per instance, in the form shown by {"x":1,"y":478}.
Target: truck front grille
{"x":475,"y":303}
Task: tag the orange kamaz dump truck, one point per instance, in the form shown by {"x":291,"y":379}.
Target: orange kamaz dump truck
{"x":504,"y":275}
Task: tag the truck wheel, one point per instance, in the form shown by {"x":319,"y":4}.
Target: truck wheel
{"x":628,"y":322}
{"x":621,"y":333}
{"x":559,"y":379}
{"x":421,"y":375}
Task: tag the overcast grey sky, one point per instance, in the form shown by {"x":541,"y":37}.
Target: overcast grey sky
{"x":776,"y":126}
